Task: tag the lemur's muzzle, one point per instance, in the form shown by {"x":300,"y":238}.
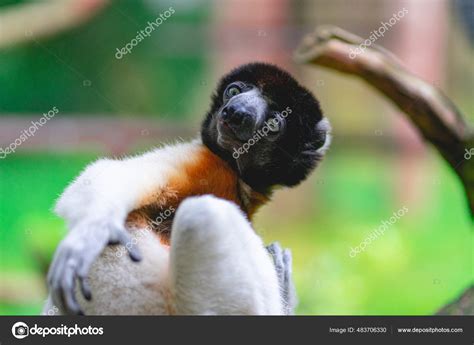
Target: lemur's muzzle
{"x":240,"y":120}
{"x":242,"y":115}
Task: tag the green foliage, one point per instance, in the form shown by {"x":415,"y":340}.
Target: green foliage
{"x":422,"y":261}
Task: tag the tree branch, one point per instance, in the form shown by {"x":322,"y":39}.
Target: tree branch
{"x":27,"y":22}
{"x":432,"y":113}
{"x":464,"y":305}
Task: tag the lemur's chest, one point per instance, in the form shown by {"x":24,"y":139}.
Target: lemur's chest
{"x":203,"y":173}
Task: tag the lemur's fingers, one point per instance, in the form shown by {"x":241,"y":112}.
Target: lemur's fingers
{"x":283,"y":266}
{"x":289,"y":291}
{"x":287,"y":262}
{"x":75,"y":256}
{"x":277,"y":254}
{"x":85,"y":288}
{"x":68,"y":295}
{"x":61,"y":281}
{"x":121,"y":236}
{"x":54,"y":276}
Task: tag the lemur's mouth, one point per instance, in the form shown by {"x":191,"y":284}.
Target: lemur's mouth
{"x":226,"y":135}
{"x":226,"y":126}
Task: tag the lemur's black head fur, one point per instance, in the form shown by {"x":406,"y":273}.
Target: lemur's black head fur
{"x":266,"y":126}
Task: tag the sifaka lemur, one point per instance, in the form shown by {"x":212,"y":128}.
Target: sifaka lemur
{"x":263,"y":131}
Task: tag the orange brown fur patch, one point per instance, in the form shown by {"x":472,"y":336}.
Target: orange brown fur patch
{"x":203,"y":173}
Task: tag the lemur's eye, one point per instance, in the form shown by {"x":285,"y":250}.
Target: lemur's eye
{"x":273,"y":124}
{"x":232,"y":91}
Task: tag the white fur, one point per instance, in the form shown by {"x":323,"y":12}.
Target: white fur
{"x":112,"y":188}
{"x":216,"y":263}
{"x":325,"y":126}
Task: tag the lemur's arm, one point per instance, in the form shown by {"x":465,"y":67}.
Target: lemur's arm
{"x":95,"y":207}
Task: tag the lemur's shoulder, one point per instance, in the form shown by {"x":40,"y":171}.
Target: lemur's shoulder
{"x":192,"y":170}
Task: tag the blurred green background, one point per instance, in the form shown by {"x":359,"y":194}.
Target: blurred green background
{"x":160,"y":91}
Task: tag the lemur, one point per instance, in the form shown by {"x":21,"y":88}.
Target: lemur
{"x":263,"y":131}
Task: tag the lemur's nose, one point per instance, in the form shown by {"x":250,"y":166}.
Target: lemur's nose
{"x":240,"y":119}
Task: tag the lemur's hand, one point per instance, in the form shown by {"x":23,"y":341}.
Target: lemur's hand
{"x":75,"y":255}
{"x":283,"y":265}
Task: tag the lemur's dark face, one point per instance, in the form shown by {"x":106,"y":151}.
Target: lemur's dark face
{"x":266,"y":126}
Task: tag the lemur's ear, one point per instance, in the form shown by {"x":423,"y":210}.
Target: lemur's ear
{"x":313,"y":151}
{"x":323,"y":132}
{"x":320,"y":141}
